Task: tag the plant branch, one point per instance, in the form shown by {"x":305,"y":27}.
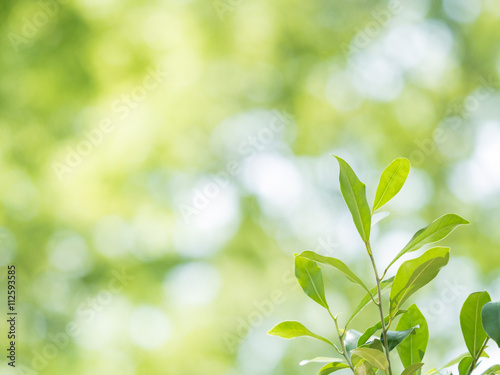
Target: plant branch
{"x":474,"y":362}
{"x":380,"y":305}
{"x":385,"y":271}
{"x":341,"y":338}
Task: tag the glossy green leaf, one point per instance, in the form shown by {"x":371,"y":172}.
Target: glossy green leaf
{"x":412,"y":350}
{"x":376,"y":327}
{"x":414,"y":274}
{"x":354,"y":193}
{"x":491,"y":320}
{"x":384,"y":285}
{"x":464,"y":365}
{"x":319,"y":360}
{"x":471,"y":321}
{"x":310,"y":278}
{"x":411,"y":369}
{"x":391,"y":181}
{"x":369,"y":332}
{"x":436,"y":231}
{"x":374,"y":344}
{"x":332,"y":367}
{"x":335,"y":263}
{"x":373,"y":356}
{"x":394,"y":338}
{"x":292,"y":329}
{"x":351,"y":339}
{"x":363,"y":368}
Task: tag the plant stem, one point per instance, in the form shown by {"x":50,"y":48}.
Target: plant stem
{"x":383,"y":275}
{"x":380,"y":305}
{"x":341,"y":338}
{"x":472,"y":367}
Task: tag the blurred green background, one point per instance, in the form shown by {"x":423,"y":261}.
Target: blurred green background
{"x":161,"y":161}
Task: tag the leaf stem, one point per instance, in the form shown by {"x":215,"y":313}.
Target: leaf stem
{"x":385,"y":271}
{"x":380,"y":305}
{"x":473,"y":365}
{"x":341,"y":338}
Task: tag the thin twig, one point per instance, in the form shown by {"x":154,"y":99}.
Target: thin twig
{"x":474,"y":362}
{"x":380,"y":305}
{"x":341,"y":338}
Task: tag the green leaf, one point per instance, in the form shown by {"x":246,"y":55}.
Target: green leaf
{"x":319,"y":360}
{"x":373,"y":356}
{"x":363,"y":368}
{"x":375,"y":344}
{"x":491,"y":320}
{"x":376,"y":327}
{"x":369,"y":332}
{"x":335,"y":263}
{"x":366,"y":299}
{"x":471,"y":321}
{"x":310,"y":279}
{"x":410,"y":370}
{"x":354,"y":193}
{"x":394,"y":338}
{"x":292,"y":329}
{"x":459,"y":358}
{"x":414,"y":274}
{"x":435,"y":231}
{"x":391,"y":182}
{"x":495,"y":369}
{"x":412,"y":350}
{"x":464,"y":365}
{"x":351,"y":339}
{"x":332,"y":367}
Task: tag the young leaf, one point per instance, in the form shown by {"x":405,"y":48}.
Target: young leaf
{"x":391,"y":182}
{"x":394,"y":338}
{"x":335,"y":263}
{"x":310,"y":279}
{"x":373,"y":356}
{"x":412,"y":350}
{"x":471,"y":321}
{"x":366,"y":299}
{"x":491,"y":320}
{"x":410,"y":370}
{"x":332,"y":367}
{"x":435,"y":231}
{"x":318,"y":360}
{"x":464,"y":365}
{"x":292,"y":329}
{"x":414,"y":274}
{"x":459,"y":358}
{"x":354,"y":193}
{"x":363,"y":368}
{"x":495,"y":369}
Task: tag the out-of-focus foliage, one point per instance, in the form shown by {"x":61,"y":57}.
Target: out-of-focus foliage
{"x":160,"y":161}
